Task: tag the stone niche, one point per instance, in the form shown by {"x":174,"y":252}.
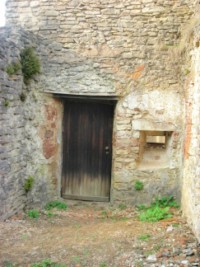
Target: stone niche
{"x":147,"y":146}
{"x":155,"y":148}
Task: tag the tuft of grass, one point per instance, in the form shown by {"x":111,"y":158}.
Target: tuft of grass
{"x":176,"y":225}
{"x":56,"y":204}
{"x":104,"y":214}
{"x":144,"y":237}
{"x":138,"y":185}
{"x":6,"y":103}
{"x":76,"y":259}
{"x":13,"y":68}
{"x":33,"y":214}
{"x":30,"y":63}
{"x":28,"y":184}
{"x":8,"y":264}
{"x":154,"y":214}
{"x":103,"y":264}
{"x":24,"y":236}
{"x":50,"y":214}
{"x":47,"y":263}
{"x":22,"y":97}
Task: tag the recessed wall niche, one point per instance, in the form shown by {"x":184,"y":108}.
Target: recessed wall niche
{"x":154,"y":149}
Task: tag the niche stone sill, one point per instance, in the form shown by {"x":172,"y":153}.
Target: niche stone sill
{"x":154,"y":159}
{"x":151,"y":165}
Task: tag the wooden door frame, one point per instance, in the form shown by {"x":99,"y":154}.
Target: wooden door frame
{"x":109,"y":100}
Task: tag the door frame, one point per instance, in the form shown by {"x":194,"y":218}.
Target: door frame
{"x":109,"y":100}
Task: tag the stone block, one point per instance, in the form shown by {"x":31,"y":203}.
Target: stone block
{"x":51,"y":13}
{"x":34,"y":3}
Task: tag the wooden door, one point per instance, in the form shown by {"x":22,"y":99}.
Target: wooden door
{"x":87,"y":150}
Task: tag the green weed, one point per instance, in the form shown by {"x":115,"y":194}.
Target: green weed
{"x":56,"y":204}
{"x":157,"y":247}
{"x":22,"y":97}
{"x":33,"y":214}
{"x":175,"y":225}
{"x":76,"y":259}
{"x":28,"y":184}
{"x":50,"y":214}
{"x":166,"y":201}
{"x":6,"y":103}
{"x":47,"y":263}
{"x":104,"y":213}
{"x":103,"y":264}
{"x":154,"y":214}
{"x":144,"y":237}
{"x":13,"y":68}
{"x":78,"y":226}
{"x":30,"y":63}
{"x":158,"y":210}
{"x":8,"y":264}
{"x":138,"y":185}
{"x":24,"y":236}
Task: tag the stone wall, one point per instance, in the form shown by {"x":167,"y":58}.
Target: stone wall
{"x":191,"y":174}
{"x":110,"y":47}
{"x":28,"y":139}
{"x":128,"y":49}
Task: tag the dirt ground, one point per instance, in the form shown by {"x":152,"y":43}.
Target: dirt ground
{"x":95,"y":235}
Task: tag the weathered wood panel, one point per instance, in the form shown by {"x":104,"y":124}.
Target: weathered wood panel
{"x":87,"y":150}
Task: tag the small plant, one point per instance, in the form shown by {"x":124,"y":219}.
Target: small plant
{"x":56,"y":204}
{"x":13,"y":68}
{"x":24,"y":236}
{"x":158,"y":210}
{"x":50,"y":214}
{"x":122,"y":206}
{"x":28,"y":184}
{"x":104,"y":213}
{"x":154,"y":214}
{"x":144,"y":237}
{"x":186,"y":71}
{"x":8,"y":264}
{"x":141,"y":207}
{"x":22,"y":97}
{"x":76,"y":259}
{"x":78,"y":226}
{"x":6,"y":103}
{"x":103,"y":264}
{"x":47,"y":263}
{"x":138,"y":185}
{"x":30,"y":63}
{"x":157,"y":247}
{"x":175,"y":225}
{"x":33,"y":214}
{"x":166,"y":201}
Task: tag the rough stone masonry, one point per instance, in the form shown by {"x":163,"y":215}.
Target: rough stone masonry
{"x":139,"y":51}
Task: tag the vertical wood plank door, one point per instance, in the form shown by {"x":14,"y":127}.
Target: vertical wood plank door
{"x":87,"y":150}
